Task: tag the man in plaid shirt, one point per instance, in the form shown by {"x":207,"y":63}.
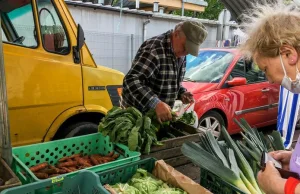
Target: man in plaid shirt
{"x":154,"y":80}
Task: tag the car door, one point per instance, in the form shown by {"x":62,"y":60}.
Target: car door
{"x":42,"y":79}
{"x":250,"y":101}
{"x":274,"y":98}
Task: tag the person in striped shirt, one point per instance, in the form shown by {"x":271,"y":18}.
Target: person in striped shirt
{"x":273,"y":41}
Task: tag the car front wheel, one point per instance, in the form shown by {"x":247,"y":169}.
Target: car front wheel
{"x":211,"y":121}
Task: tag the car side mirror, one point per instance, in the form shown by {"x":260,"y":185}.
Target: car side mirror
{"x":79,"y":45}
{"x":237,"y":81}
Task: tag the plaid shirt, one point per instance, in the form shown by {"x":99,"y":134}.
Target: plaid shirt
{"x":156,"y":75}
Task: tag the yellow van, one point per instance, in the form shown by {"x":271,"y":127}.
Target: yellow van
{"x":55,"y":89}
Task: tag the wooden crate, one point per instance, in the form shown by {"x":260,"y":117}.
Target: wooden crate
{"x":7,"y":174}
{"x":171,"y":150}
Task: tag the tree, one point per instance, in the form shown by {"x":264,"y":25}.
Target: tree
{"x":211,"y":12}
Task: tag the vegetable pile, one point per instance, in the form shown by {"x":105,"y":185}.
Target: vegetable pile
{"x":143,"y":183}
{"x":236,"y":162}
{"x":69,"y":164}
{"x":188,"y":118}
{"x":129,"y":127}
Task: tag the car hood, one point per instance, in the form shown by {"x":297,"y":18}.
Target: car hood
{"x":196,"y":87}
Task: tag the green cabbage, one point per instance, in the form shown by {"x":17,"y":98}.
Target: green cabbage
{"x":169,"y":191}
{"x":146,"y":185}
{"x":125,"y":189}
{"x":143,"y":182}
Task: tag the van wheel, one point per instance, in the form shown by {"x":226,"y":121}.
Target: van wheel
{"x":78,"y":129}
{"x":212,"y":121}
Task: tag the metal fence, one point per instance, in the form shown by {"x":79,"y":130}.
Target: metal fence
{"x":118,"y":50}
{"x":113,"y":50}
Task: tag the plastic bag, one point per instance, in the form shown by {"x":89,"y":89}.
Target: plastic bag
{"x":181,"y":108}
{"x":178,"y":108}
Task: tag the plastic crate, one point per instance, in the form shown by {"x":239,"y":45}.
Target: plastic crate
{"x":51,"y":152}
{"x":84,"y":182}
{"x":217,"y":185}
{"x":123,"y":173}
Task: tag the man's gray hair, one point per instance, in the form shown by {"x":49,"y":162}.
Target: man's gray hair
{"x":178,"y":27}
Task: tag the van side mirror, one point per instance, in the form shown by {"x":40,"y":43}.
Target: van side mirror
{"x":79,"y":45}
{"x":80,"y":37}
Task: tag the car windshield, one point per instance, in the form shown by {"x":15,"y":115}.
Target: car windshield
{"x":208,"y":67}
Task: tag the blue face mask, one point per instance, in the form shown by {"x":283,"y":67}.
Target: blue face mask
{"x":291,"y":85}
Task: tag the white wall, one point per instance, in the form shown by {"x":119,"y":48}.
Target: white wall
{"x":113,"y":40}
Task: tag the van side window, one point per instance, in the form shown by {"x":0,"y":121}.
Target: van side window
{"x":53,"y":33}
{"x":19,"y":27}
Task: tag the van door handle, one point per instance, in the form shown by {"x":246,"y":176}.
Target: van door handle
{"x":265,"y":90}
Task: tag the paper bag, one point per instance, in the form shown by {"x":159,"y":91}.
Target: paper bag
{"x":168,"y":174}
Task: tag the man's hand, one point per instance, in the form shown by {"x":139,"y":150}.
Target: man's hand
{"x":163,"y":112}
{"x":270,"y":180}
{"x":282,"y":156}
{"x":187,"y":97}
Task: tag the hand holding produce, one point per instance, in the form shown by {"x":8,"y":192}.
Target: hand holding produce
{"x":71,"y":163}
{"x":270,"y":180}
{"x":163,"y":112}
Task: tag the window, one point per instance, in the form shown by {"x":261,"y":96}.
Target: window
{"x":54,"y":36}
{"x":239,"y":69}
{"x":208,"y":67}
{"x":249,"y":70}
{"x":253,"y":73}
{"x":20,"y":27}
{"x":3,"y":36}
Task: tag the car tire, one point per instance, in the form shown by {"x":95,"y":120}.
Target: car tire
{"x":211,"y":121}
{"x":78,"y":129}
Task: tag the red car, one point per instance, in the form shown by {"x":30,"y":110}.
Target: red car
{"x":225,"y":86}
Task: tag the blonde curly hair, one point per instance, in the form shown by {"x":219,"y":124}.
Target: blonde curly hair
{"x":268,"y":26}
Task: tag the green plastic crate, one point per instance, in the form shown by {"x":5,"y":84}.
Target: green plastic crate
{"x":26,"y":156}
{"x":123,"y":173}
{"x":84,"y":182}
{"x":217,"y":185}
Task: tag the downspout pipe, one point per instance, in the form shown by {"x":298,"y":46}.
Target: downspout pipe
{"x":145,"y":28}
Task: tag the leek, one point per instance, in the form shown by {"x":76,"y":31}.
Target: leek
{"x":215,"y":148}
{"x":206,"y":161}
{"x":253,"y":154}
{"x":262,"y":137}
{"x":243,"y":164}
{"x":251,"y":133}
{"x":247,"y":183}
{"x":252,"y":146}
{"x":278,"y":143}
{"x":235,"y":168}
